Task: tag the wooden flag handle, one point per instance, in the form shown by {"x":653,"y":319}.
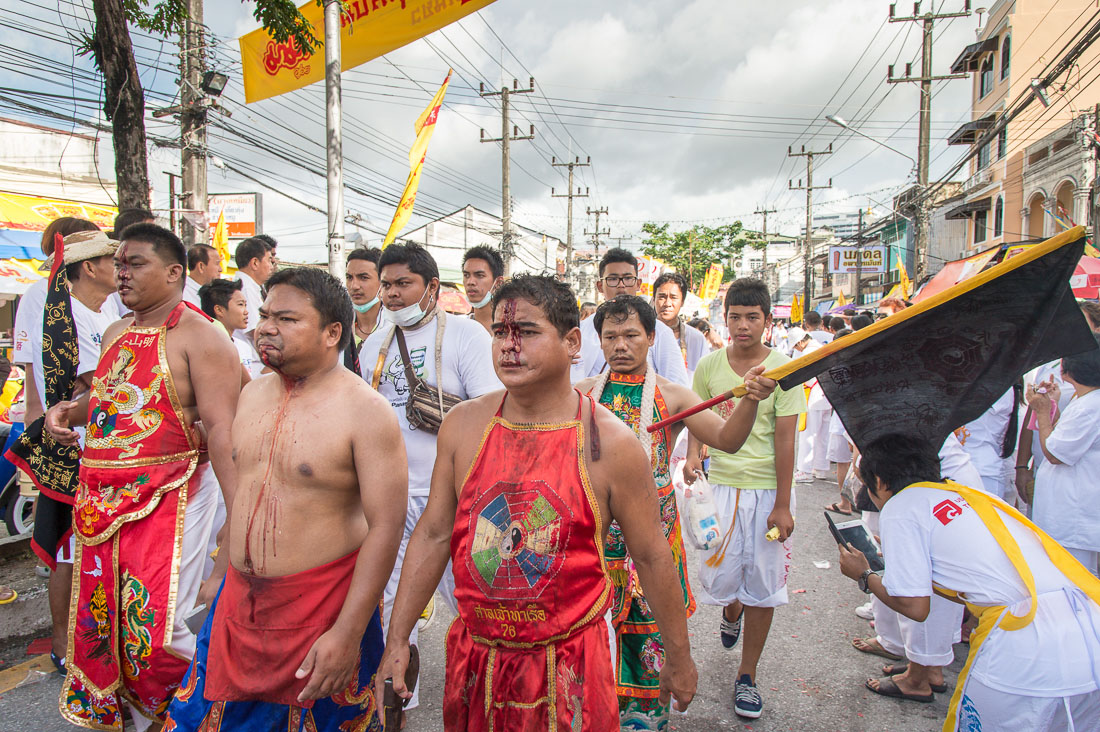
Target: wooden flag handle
{"x":724,"y":396}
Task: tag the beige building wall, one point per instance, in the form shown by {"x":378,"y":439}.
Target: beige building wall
{"x":1030,"y":35}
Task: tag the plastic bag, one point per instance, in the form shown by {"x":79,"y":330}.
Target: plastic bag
{"x":703,"y":529}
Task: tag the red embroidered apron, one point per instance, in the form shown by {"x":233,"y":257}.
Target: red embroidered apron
{"x":529,"y":648}
{"x":137,"y":469}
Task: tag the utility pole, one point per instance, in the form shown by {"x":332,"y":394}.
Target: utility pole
{"x":924,"y":206}
{"x":172,"y":200}
{"x":859,"y":259}
{"x":569,"y":215}
{"x":764,"y":236}
{"x":334,"y":149}
{"x":508,"y":133}
{"x":193,"y":125}
{"x":807,"y":246}
{"x":597,"y":212}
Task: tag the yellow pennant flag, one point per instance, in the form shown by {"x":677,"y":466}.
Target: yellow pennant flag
{"x":841,"y":301}
{"x":368,"y":29}
{"x":425,"y":126}
{"x":903,"y":280}
{"x":796,"y":309}
{"x":221,"y":240}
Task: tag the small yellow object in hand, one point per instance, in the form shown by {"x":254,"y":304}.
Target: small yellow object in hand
{"x":773,"y":534}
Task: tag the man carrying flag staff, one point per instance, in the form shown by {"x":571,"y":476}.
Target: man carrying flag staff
{"x":747,"y":573}
{"x":634,"y":392}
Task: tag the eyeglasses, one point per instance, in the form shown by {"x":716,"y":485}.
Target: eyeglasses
{"x":616,"y":281}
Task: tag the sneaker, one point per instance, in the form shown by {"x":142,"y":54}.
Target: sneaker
{"x":801,"y":477}
{"x":746,"y":699}
{"x":730,"y":631}
{"x":864,"y":611}
{"x":428,"y":615}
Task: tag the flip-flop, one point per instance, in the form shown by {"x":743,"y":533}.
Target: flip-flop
{"x":835,"y":508}
{"x":59,"y":663}
{"x":899,"y":668}
{"x":10,"y":599}
{"x":874,"y":650}
{"x":887,"y":687}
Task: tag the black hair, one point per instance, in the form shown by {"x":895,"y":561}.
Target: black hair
{"x":251,"y":248}
{"x":860,"y":322}
{"x":1008,"y":444}
{"x":836,"y":323}
{"x":587,"y":304}
{"x":868,"y":313}
{"x":488,"y":254}
{"x":700,"y":324}
{"x":329,"y":296}
{"x":268,"y":240}
{"x":899,"y":461}
{"x":73,"y":271}
{"x":675,"y":278}
{"x":218,"y":292}
{"x":843,"y":332}
{"x":199,"y":254}
{"x":166,"y":244}
{"x":813,"y":318}
{"x":1084,"y":367}
{"x":747,"y":292}
{"x":65,"y":225}
{"x":849,"y":312}
{"x":618,"y":254}
{"x":372,"y":255}
{"x":128,"y":217}
{"x":620,"y":309}
{"x":418,"y":259}
{"x":554,"y":298}
{"x":1092,"y":313}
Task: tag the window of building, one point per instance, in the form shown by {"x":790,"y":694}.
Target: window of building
{"x":1006,"y":46}
{"x":985,"y":77}
{"x":999,"y":217}
{"x":983,"y":156}
{"x":981,"y":223}
{"x":1002,"y":142}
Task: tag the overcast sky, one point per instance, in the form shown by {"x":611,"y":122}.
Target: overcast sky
{"x":686,"y":109}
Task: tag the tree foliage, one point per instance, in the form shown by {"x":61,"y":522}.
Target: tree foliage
{"x":693,"y":250}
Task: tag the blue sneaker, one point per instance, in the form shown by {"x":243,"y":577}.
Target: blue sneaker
{"x":730,"y":631}
{"x":746,"y":698}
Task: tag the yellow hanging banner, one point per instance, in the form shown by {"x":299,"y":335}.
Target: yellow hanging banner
{"x":369,"y":29}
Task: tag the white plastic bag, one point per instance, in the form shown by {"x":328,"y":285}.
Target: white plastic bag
{"x":704,"y":531}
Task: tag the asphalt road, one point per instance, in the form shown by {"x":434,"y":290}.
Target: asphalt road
{"x":810,"y":676}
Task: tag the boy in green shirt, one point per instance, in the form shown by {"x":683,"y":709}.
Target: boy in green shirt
{"x":747,"y":574}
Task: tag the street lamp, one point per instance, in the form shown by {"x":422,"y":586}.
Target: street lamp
{"x":841,"y":123}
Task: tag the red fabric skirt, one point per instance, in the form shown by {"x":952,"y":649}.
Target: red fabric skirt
{"x":264,"y":627}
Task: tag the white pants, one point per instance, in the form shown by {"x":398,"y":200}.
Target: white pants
{"x":446,"y":584}
{"x":928,"y":643}
{"x":984,"y":708}
{"x":752,"y":569}
{"x":1086,"y":557}
{"x":198,"y":519}
{"x":210,"y":482}
{"x":813,"y":442}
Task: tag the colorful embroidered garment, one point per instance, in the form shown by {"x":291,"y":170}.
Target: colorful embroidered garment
{"x":640,"y":654}
{"x":138,"y":467}
{"x":257,"y":634}
{"x":529,"y":648}
{"x":52,"y":466}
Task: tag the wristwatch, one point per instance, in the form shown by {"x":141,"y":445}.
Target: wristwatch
{"x":863,"y":585}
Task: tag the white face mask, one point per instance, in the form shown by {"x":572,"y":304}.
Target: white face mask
{"x":365,"y":306}
{"x":483,"y":302}
{"x":406,"y":316}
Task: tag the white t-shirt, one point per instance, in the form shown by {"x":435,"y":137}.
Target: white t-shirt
{"x":466,"y":354}
{"x":253,"y":297}
{"x":28,"y":322}
{"x":1047,"y":372}
{"x":664,"y":354}
{"x":955,"y":463}
{"x":934,"y":536}
{"x":983,"y":438}
{"x":250,"y":358}
{"x":191,"y":292}
{"x":821,"y":336}
{"x":1067,"y":496}
{"x":114,"y":304}
{"x":693,"y":345}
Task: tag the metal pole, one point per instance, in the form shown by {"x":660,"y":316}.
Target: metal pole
{"x":172,"y":201}
{"x":334,"y":145}
{"x":569,"y":232}
{"x":506,"y":183}
{"x":923,"y":145}
{"x":859,"y":259}
{"x":193,"y":124}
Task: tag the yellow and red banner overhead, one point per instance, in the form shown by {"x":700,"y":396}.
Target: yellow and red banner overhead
{"x":220,"y":240}
{"x":425,"y":126}
{"x":368,"y":29}
{"x":34,"y":213}
{"x":711,"y":282}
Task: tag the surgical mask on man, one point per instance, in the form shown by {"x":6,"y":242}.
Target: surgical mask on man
{"x":483,"y":302}
{"x":366,"y":306}
{"x":406,"y":316}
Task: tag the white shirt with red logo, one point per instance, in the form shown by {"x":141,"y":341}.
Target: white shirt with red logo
{"x":1067,"y":496}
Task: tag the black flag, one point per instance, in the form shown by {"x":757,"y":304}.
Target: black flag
{"x":931,"y":368}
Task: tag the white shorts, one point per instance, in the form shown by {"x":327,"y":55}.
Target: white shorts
{"x":928,"y":643}
{"x":839,"y":449}
{"x":985,"y":708}
{"x":210,"y":483}
{"x":751,"y":569}
{"x":198,"y":519}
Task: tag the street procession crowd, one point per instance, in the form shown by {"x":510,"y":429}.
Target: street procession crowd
{"x":254,"y":490}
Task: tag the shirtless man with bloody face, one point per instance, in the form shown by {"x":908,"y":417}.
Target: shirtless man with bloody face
{"x":295,"y":636}
{"x":525,"y":486}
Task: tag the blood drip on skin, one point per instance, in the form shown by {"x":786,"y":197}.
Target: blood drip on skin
{"x":512,"y":333}
{"x":270,"y":503}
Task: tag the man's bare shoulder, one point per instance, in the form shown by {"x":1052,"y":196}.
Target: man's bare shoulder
{"x":478,"y":410}
{"x":677,"y":396}
{"x":114,"y":330}
{"x":357,"y":395}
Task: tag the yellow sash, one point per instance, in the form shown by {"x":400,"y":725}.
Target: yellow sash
{"x":986,"y":506}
